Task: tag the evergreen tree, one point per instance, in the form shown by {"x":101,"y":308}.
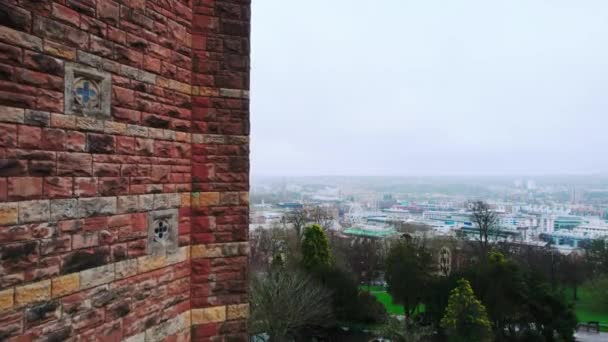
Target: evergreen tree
{"x":465,"y":317}
{"x":315,"y":248}
{"x":408,"y":274}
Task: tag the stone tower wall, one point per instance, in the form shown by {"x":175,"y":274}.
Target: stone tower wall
{"x":124,"y":162}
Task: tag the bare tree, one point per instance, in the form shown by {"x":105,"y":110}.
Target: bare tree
{"x":486,"y":220}
{"x":321,"y":216}
{"x":298,"y":219}
{"x":284,"y":303}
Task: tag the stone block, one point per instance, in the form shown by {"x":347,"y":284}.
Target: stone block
{"x":209,"y":315}
{"x":166,"y":201}
{"x":8,"y":213}
{"x":36,"y":292}
{"x":34,"y":211}
{"x":64,"y":209}
{"x":98,"y":206}
{"x":12,"y":114}
{"x":146,"y":202}
{"x":96,"y":276}
{"x":170,"y":327}
{"x":206,"y":199}
{"x":126,"y":268}
{"x":7,"y":299}
{"x":127,"y":204}
{"x":206,"y":251}
{"x":64,"y":285}
{"x":237,"y":311}
{"x":151,"y":262}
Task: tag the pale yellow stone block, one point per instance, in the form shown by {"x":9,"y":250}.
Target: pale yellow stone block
{"x":149,"y":263}
{"x":209,"y":198}
{"x":237,"y":311}
{"x":8,"y":213}
{"x":64,"y":285}
{"x":244,"y":197}
{"x":33,"y":293}
{"x":209,"y":315}
{"x":112,"y":127}
{"x":186,"y":199}
{"x":7,"y":299}
{"x":206,"y":251}
{"x":208,"y":91}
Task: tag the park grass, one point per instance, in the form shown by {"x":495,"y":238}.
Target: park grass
{"x":387,"y":300}
{"x":586,"y":308}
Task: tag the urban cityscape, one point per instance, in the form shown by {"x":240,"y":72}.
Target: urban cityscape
{"x":563,"y":212}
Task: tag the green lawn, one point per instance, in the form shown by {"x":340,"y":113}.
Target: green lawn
{"x":385,"y":298}
{"x":586,"y":309}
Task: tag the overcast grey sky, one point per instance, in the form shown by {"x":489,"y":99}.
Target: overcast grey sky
{"x":429,"y":87}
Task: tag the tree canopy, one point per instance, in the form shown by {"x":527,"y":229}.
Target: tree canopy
{"x":408,"y":274}
{"x":465,"y":317}
{"x":315,"y":248}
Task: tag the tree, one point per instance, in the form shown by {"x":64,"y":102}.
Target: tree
{"x":349,"y":303}
{"x":596,"y":254}
{"x":393,"y":329}
{"x":298,"y":220}
{"x":408,"y":274}
{"x":573,"y":271}
{"x":284,"y":303}
{"x":486,"y":220}
{"x":465,"y":317}
{"x":598,"y":289}
{"x":500,"y":284}
{"x":549,"y":313}
{"x":315,"y":248}
{"x":321,"y":216}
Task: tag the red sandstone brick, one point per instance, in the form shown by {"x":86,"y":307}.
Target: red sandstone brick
{"x":30,"y":137}
{"x":85,"y":240}
{"x":151,"y":64}
{"x":113,"y":186}
{"x":85,"y":187}
{"x":10,"y":54}
{"x":66,"y":14}
{"x":117,"y":35}
{"x":58,"y":187}
{"x":22,"y":188}
{"x":8,"y":135}
{"x":49,"y":100}
{"x":69,"y":226}
{"x":74,"y":164}
{"x":106,"y":170}
{"x":94,"y":26}
{"x":75,"y":141}
{"x":3,"y":190}
{"x":125,"y":145}
{"x":93,"y":224}
{"x":53,"y":139}
{"x":101,"y":47}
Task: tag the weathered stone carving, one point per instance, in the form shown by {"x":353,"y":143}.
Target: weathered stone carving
{"x":162,"y":232}
{"x":87,"y":91}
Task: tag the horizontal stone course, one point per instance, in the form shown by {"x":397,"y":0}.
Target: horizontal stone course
{"x":62,"y":209}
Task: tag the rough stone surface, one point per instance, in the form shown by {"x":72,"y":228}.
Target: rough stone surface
{"x":66,"y":284}
{"x":79,"y":187}
{"x":33,"y":293}
{"x":209,"y":315}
